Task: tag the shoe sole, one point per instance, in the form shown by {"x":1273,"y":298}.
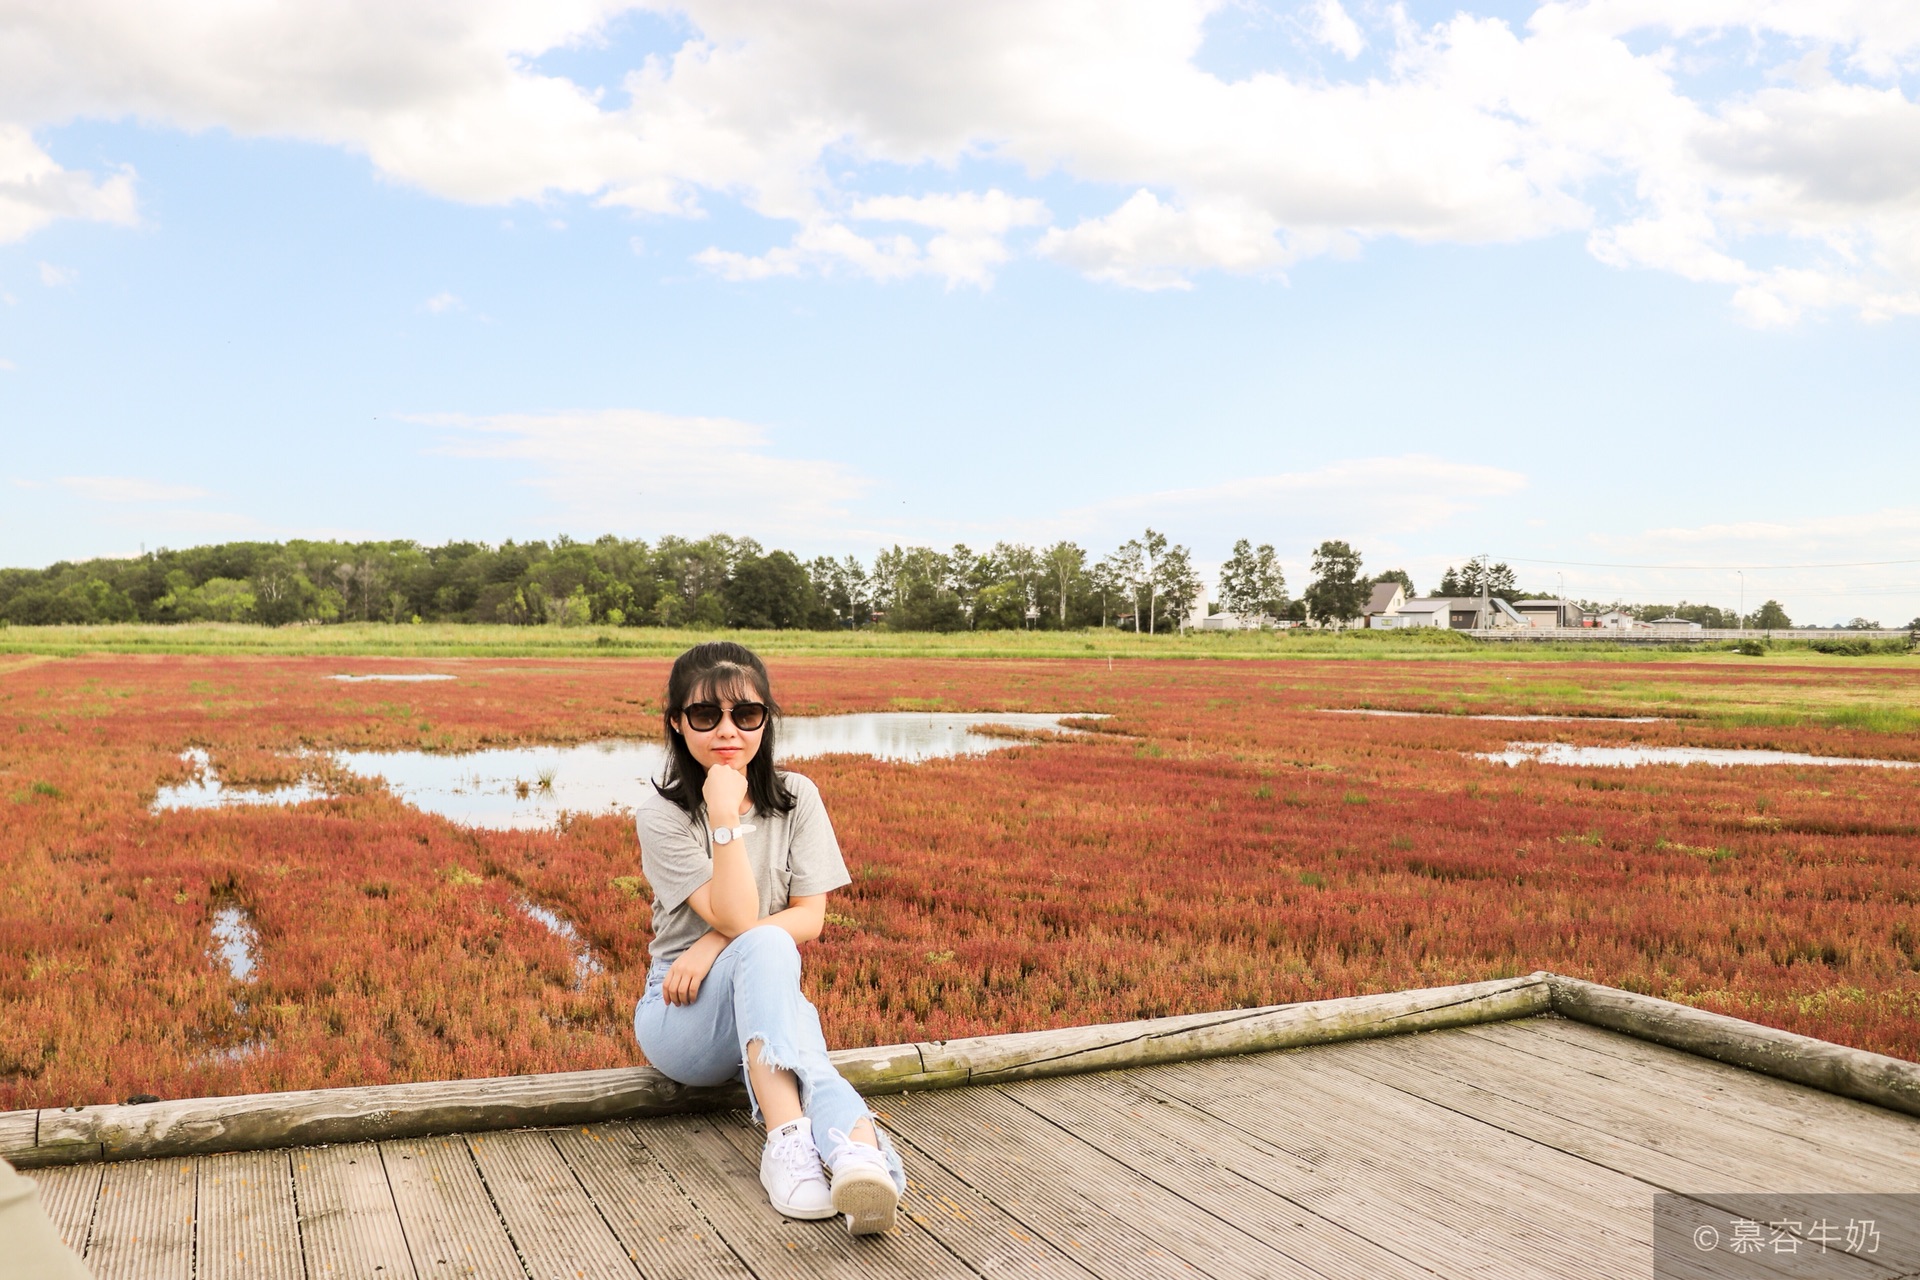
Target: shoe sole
{"x":804,"y":1215}
{"x":868,"y":1201}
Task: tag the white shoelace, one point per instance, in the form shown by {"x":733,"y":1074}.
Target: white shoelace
{"x":795,"y":1151}
{"x":845,"y":1148}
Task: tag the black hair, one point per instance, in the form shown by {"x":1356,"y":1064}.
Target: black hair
{"x":719,"y":669}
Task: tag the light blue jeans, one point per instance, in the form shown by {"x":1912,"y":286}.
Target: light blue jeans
{"x":753,"y":993}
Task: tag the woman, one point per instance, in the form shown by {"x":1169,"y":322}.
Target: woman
{"x":741,"y":859}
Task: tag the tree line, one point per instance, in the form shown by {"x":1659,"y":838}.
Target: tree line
{"x":1147,"y":583}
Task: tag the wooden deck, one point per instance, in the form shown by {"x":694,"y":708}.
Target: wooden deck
{"x":1523,"y":1148}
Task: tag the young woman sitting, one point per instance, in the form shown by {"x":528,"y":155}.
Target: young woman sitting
{"x":741,"y":858}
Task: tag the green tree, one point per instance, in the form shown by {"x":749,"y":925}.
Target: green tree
{"x":1337,"y":593}
{"x":770,"y":591}
{"x":1479,"y":578}
{"x":1252,"y":586}
{"x":1177,"y":585}
{"x":1064,"y":570}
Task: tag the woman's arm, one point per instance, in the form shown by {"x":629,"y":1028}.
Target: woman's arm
{"x":803,"y":918}
{"x":730,"y":901}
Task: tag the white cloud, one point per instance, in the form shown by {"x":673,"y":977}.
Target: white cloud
{"x":969,"y":241}
{"x":1336,"y":29}
{"x":635,"y":471}
{"x":1796,"y":191}
{"x":34,"y":191}
{"x":8,"y":366}
{"x":441,"y":303}
{"x":53,"y":277}
{"x":128,"y":489}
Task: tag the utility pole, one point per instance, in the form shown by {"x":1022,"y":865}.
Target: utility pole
{"x":1743,"y":598}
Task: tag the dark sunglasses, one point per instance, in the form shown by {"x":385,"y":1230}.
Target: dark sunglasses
{"x":705,"y":716}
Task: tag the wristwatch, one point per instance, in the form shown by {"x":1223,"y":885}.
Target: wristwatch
{"x":727,"y":835}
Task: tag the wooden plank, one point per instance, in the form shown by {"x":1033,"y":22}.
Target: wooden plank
{"x":452,"y":1227}
{"x":1654,"y":1119}
{"x":19,"y":1134}
{"x":700,"y":1154}
{"x":1099,"y":1212}
{"x":1510,"y":1204}
{"x":1853,"y":1073}
{"x":646,"y":1211}
{"x":1660,"y":1170}
{"x":1749,"y":1098}
{"x":70,"y":1194}
{"x":349,"y":1227}
{"x":249,"y":1122}
{"x":550,"y":1216}
{"x":143,"y":1228}
{"x":972,"y":1227}
{"x":248,"y":1228}
{"x":1207,"y":1164}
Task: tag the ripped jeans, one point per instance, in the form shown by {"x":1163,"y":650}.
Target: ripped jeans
{"x":753,"y":993}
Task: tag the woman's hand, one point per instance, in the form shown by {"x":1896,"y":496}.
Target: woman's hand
{"x":725,"y":792}
{"x":684,"y":976}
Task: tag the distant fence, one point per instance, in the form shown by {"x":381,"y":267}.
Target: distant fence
{"x":1612,"y":635}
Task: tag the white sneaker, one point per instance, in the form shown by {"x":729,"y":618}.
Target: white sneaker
{"x":790,"y":1171}
{"x":863,"y":1187}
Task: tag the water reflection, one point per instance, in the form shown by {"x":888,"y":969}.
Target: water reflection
{"x":1628,"y":757}
{"x":234,"y":936}
{"x":525,"y":788}
{"x":585,"y":963}
{"x":390,"y":679}
{"x":204,"y":790}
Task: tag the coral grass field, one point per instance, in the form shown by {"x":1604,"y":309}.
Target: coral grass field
{"x":1219,"y":842}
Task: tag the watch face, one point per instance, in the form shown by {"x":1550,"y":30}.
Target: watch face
{"x":722,"y":835}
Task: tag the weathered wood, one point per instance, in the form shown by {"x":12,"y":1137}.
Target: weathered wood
{"x":1438,"y":1168}
{"x":1029,"y":1055}
{"x":1203,"y":1164}
{"x":1851,"y":1073}
{"x":374,"y":1112}
{"x":647,"y":1212}
{"x":349,"y":1227}
{"x":451,"y":1225}
{"x":1876,"y":1138}
{"x":245,"y":1219}
{"x":143,"y":1229}
{"x":69,"y":1194}
{"x":1102,"y":1215}
{"x":553,"y":1222}
{"x":258,"y":1121}
{"x":971,"y":1226}
{"x":734,"y":1151}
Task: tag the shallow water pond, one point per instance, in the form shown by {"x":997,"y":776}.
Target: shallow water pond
{"x":1628,"y":757}
{"x":521,"y":788}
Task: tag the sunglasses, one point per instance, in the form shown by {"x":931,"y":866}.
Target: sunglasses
{"x":705,"y":716}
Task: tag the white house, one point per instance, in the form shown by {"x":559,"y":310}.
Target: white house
{"x":1615,"y":620}
{"x":1386,"y":601}
{"x":1676,"y":625}
{"x":1549,"y":613}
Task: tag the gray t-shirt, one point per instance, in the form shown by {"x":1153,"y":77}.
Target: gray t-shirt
{"x":791,"y":854}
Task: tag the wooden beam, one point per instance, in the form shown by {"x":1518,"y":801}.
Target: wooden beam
{"x":198,"y":1126}
{"x":1852,"y":1073}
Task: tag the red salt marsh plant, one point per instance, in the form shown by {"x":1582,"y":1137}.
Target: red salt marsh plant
{"x":1219,"y":841}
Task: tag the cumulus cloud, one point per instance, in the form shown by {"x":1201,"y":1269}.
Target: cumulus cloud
{"x":634,"y":470}
{"x":34,"y":191}
{"x":1795,"y":189}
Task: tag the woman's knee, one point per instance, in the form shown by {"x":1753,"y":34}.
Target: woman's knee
{"x":768,"y":945}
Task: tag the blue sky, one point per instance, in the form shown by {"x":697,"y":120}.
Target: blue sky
{"x":927,"y":313}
